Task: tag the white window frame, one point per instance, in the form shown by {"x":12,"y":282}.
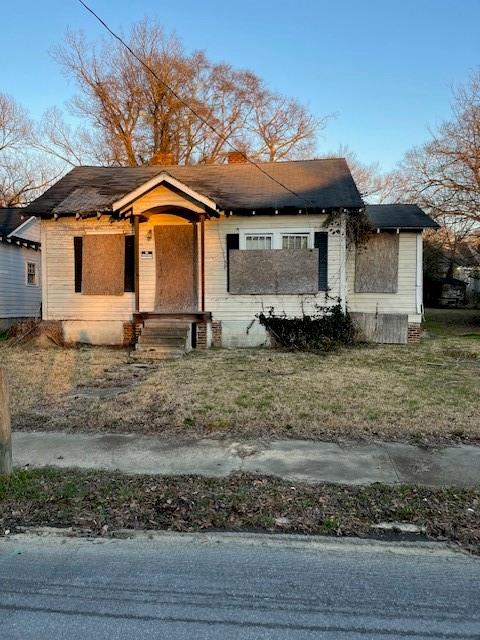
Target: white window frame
{"x":277,"y":236}
{"x":260,"y":234}
{"x":35,"y":265}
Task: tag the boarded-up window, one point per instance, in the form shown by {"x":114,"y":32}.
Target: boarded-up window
{"x":103,"y":264}
{"x":376,"y":264}
{"x":284,"y":271}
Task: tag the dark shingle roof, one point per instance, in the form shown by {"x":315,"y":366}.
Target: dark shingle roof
{"x":11,"y":218}
{"x":326,"y":184}
{"x":399,"y":216}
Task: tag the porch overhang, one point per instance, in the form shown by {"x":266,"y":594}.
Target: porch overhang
{"x":208,"y":206}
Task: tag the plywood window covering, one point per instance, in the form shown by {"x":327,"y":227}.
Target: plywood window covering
{"x":258,"y":242}
{"x":295,"y":241}
{"x":376,"y":264}
{"x":285,"y":271}
{"x":103,"y":264}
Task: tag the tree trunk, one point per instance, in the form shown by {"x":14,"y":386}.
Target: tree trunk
{"x":5,"y":430}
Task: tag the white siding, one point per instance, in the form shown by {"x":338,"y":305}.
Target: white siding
{"x":405,"y":300}
{"x":17,"y":299}
{"x":60,"y":302}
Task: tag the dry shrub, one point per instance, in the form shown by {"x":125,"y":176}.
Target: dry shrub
{"x":41,"y":333}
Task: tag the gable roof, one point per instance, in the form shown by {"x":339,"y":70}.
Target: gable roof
{"x":11,"y":218}
{"x":399,"y":216}
{"x":323,"y":184}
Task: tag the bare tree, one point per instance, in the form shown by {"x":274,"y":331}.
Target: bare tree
{"x":23,"y":173}
{"x":374,"y":186}
{"x":444,"y":174}
{"x":283,"y":127}
{"x":132,"y":117}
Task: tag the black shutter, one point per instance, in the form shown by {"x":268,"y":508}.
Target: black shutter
{"x":321,"y":243}
{"x":129,"y":264}
{"x":78,"y":252}
{"x":233,"y":242}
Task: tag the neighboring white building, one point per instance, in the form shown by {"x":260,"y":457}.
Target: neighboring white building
{"x":20,"y":267}
{"x":127,"y":250}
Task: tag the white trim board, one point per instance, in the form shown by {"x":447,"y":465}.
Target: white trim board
{"x":156,"y":181}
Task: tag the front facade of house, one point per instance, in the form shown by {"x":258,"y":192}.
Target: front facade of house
{"x":20,"y":267}
{"x":215,"y":246}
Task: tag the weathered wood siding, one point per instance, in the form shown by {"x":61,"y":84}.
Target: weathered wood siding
{"x":17,"y":299}
{"x":386,"y":328}
{"x":402,"y":302}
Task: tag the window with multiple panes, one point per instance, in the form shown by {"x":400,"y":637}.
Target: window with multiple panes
{"x":281,"y":239}
{"x":295,"y":241}
{"x":263,"y":241}
{"x":31,"y":273}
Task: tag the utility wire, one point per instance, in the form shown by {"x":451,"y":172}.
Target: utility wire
{"x":191,"y":109}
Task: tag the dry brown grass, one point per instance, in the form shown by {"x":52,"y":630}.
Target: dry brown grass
{"x":429,"y":393}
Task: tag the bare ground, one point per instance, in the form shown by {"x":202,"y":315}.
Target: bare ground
{"x":100,"y":503}
{"x":428,"y":393}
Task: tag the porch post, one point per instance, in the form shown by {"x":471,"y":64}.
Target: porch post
{"x":202,"y":261}
{"x":136,"y":245}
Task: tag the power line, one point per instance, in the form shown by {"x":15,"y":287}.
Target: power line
{"x":191,"y":109}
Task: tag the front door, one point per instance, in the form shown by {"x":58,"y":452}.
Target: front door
{"x":176,"y":268}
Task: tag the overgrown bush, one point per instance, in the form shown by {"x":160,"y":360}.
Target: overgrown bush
{"x":328,"y":329}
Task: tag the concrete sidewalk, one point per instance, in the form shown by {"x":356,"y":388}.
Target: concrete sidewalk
{"x":296,"y":460}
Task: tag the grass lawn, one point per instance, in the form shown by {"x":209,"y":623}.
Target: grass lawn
{"x":428,"y":393}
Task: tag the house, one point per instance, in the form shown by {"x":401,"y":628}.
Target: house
{"x":192,"y":254}
{"x":452,"y":277}
{"x":20,"y":266}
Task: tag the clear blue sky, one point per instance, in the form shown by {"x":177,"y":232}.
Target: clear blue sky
{"x":385,"y":67}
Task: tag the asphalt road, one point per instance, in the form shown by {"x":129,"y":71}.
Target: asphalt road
{"x":225,"y":586}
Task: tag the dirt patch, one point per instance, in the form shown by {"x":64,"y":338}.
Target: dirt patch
{"x":101,"y":503}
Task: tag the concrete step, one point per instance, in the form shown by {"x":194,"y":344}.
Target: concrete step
{"x":163,"y":339}
{"x":166,"y":332}
{"x":152,"y":344}
{"x":153,"y":356}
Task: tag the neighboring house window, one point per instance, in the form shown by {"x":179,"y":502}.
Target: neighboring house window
{"x":258,"y":242}
{"x":295,"y":241}
{"x":32,"y":276}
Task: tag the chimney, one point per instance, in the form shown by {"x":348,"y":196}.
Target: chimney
{"x":162,"y":158}
{"x":236,"y":157}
